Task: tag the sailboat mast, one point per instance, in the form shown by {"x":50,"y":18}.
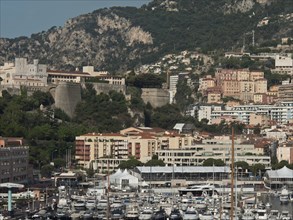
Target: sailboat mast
{"x":232,"y":177}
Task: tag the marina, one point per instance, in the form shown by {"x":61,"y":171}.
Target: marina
{"x":168,"y":204}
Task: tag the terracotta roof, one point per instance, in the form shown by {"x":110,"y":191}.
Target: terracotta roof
{"x":68,"y":72}
{"x":103,"y":134}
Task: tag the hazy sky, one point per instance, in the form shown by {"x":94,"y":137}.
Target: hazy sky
{"x":25,"y":17}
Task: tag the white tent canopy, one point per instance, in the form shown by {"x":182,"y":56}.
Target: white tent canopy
{"x":123,"y":179}
{"x":282,"y":173}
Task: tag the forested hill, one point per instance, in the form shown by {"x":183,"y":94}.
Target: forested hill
{"x":120,"y":38}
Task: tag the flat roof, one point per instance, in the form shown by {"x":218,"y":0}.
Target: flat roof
{"x":184,"y":169}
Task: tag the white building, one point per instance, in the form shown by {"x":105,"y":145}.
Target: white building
{"x":92,"y":72}
{"x":173,"y":87}
{"x":282,"y":112}
{"x":195,"y":155}
{"x":283,"y":65}
{"x":23,"y":74}
{"x":205,"y":111}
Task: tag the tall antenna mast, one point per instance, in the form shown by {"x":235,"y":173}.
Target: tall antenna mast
{"x":232,"y":177}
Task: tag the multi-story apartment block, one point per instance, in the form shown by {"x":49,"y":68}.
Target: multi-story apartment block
{"x":281,"y":113}
{"x":204,"y":111}
{"x":13,"y":161}
{"x":196,"y":154}
{"x":140,"y":143}
{"x":241,"y":83}
{"x":283,"y":64}
{"x":285,"y":93}
{"x":206,"y":82}
{"x":285,"y":152}
{"x":214,"y":97}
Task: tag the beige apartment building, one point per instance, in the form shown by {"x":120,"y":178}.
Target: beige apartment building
{"x":214,"y":97}
{"x":196,"y":154}
{"x":241,"y":83}
{"x":140,"y":143}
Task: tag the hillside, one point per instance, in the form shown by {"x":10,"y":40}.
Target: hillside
{"x":121,"y":38}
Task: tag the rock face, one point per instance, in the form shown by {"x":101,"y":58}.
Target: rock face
{"x":118,"y":39}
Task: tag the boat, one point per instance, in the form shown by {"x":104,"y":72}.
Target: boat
{"x":285,"y":215}
{"x":79,"y":205}
{"x":117,"y":214}
{"x":184,"y":204}
{"x":261,"y":214}
{"x":191,"y":214}
{"x":175,"y":214}
{"x":198,"y":190}
{"x":274,"y":215}
{"x":132,"y":213}
{"x":102,"y":204}
{"x":208,"y":215}
{"x":87,"y":215}
{"x":160,"y":215}
{"x":90,"y":204}
{"x":284,"y":196}
{"x":248,"y":215}
{"x":146,"y":214}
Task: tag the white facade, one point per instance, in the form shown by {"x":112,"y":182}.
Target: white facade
{"x":173,"y":87}
{"x":281,"y":112}
{"x":283,"y":65}
{"x":285,"y":153}
{"x":24,"y":74}
{"x":205,"y":111}
{"x":217,"y":149}
{"x":92,"y":72}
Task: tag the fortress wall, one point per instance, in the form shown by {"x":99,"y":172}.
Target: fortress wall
{"x":67,"y":95}
{"x":106,"y":88}
{"x":156,"y":97}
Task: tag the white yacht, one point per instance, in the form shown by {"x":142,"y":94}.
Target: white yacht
{"x":274,"y":215}
{"x":248,"y":215}
{"x":146,"y":214}
{"x":284,"y":196}
{"x":79,"y":205}
{"x":132,"y":213}
{"x":90,"y":204}
{"x":102,"y":204}
{"x":285,"y":215}
{"x":198,"y":190}
{"x":261,"y":214}
{"x":191,"y":214}
{"x":208,"y":215}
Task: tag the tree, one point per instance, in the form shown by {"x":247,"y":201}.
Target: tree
{"x":281,"y":164}
{"x":257,"y":168}
{"x":244,"y":165}
{"x":59,"y":163}
{"x":46,"y":170}
{"x":130,"y":164}
{"x":213,"y":162}
{"x":155,"y":162}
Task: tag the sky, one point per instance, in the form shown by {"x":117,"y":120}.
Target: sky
{"x":25,"y":17}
